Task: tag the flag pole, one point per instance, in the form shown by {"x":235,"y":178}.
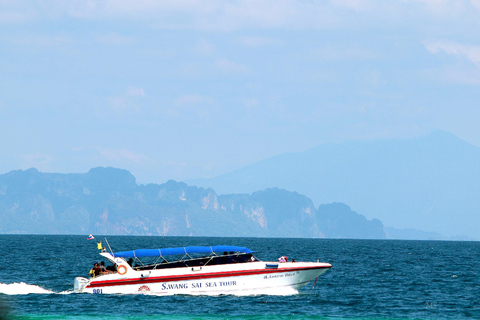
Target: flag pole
{"x":108,"y":244}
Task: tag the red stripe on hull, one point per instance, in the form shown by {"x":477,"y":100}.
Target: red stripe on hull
{"x":108,"y":283}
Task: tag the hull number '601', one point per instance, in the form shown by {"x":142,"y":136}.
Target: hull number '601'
{"x":97,"y":290}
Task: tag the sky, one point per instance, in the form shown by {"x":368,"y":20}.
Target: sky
{"x":190,"y":89}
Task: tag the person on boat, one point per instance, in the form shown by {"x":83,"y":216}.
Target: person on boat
{"x":112,"y":268}
{"x":95,"y":271}
{"x":283,"y":259}
{"x":130,"y":262}
{"x":91,"y":273}
{"x":104,"y":270}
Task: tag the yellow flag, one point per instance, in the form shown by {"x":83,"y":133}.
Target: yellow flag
{"x":99,"y":246}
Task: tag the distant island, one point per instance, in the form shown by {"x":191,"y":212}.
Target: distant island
{"x":428,"y":182}
{"x":109,"y":201}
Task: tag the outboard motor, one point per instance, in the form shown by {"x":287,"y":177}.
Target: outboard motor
{"x":79,"y":284}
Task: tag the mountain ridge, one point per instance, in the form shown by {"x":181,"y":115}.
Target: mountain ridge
{"x":109,"y":201}
{"x":428,"y":183}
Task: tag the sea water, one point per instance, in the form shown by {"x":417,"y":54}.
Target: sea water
{"x":370,"y":279}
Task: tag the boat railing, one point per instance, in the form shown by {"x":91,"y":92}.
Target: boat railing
{"x":238,"y":257}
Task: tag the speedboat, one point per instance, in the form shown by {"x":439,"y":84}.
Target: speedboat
{"x":197,"y":270}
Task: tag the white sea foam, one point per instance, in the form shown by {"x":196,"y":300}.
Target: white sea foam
{"x":22,"y":288}
{"x":66,"y":292}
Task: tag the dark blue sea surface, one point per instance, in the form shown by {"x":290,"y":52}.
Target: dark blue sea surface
{"x":370,"y":279}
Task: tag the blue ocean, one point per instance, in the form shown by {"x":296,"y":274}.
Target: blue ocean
{"x":370,"y":279}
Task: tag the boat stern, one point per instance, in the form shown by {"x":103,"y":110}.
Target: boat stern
{"x":79,"y":284}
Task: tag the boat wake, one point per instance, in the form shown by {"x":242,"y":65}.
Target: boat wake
{"x":23,"y":288}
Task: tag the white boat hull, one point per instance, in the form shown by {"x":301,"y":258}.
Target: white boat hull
{"x":217,"y":279}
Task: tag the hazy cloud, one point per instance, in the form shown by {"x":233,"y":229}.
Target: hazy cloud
{"x":128,"y":101}
{"x":121,"y":155}
{"x":459,"y":71}
{"x":204,"y":48}
{"x":14,"y":17}
{"x":476,"y":4}
{"x":41,"y":40}
{"x":265,"y":14}
{"x":339,"y":52}
{"x":373,"y":78}
{"x":192,"y":100}
{"x":135,"y":92}
{"x":231,"y":67}
{"x":455,"y":74}
{"x":300,"y":72}
{"x":444,"y":8}
{"x":468,"y":51}
{"x":251,"y":41}
{"x":114,"y":39}
{"x":251,"y":102}
{"x":38,"y":160}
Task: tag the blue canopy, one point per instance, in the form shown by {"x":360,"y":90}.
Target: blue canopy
{"x":181,"y":250}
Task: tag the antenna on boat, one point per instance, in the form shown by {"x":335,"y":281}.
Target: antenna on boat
{"x":108,"y":244}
